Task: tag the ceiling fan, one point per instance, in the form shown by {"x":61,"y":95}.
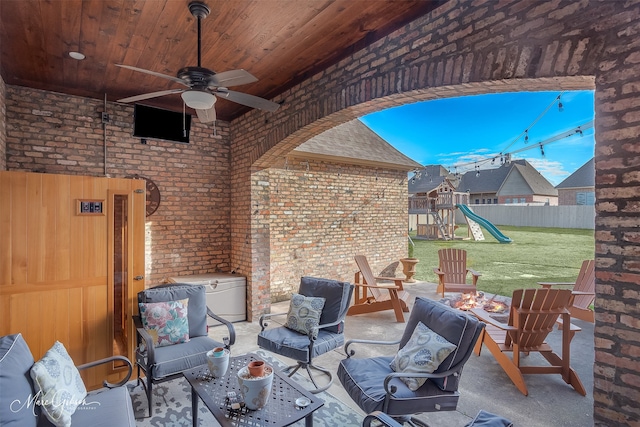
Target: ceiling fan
{"x":205,"y":85}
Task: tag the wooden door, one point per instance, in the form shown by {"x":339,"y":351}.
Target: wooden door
{"x":54,"y":262}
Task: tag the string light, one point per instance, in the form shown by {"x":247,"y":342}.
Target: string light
{"x":560,"y":106}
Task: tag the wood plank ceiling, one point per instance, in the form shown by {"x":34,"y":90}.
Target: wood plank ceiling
{"x":281,"y":42}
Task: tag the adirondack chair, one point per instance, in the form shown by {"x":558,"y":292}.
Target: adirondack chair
{"x":584,"y":291}
{"x":372,"y":295}
{"x":533,"y":314}
{"x":452,"y":272}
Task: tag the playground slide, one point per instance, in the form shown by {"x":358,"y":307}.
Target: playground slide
{"x":492,"y":229}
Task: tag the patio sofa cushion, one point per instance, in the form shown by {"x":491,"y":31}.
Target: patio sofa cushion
{"x":197,"y":308}
{"x":291,"y":344}
{"x":423,"y":353}
{"x":114,"y":406}
{"x":103,"y":407}
{"x":59,"y":385}
{"x":304,"y":314}
{"x":166,"y":321}
{"x":16,"y":386}
{"x":334,"y":301}
{"x":447,"y":323}
{"x":177,"y":358}
{"x":363,"y":379}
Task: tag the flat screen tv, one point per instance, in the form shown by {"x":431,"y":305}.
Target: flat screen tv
{"x":156,"y":123}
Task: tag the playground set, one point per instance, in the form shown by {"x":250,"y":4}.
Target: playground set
{"x":435,"y":216}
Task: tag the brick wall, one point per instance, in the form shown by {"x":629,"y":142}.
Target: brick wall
{"x":189,"y":233}
{"x":323,"y":214}
{"x":473,"y":47}
{"x":468,"y":48}
{"x":3,"y":127}
{"x":569,"y":196}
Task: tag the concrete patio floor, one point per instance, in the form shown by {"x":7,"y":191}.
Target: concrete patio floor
{"x":484,"y":385}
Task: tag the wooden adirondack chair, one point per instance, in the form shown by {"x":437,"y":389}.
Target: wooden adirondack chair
{"x":371,"y":295}
{"x":584,"y":291}
{"x":452,"y":272}
{"x":532,"y":317}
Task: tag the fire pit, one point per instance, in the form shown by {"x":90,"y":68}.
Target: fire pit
{"x":494,"y":304}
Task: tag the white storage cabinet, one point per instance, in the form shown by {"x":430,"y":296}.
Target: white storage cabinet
{"x":226,"y":293}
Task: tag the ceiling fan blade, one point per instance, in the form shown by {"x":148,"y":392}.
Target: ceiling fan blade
{"x":207,"y":116}
{"x":248,"y":100}
{"x":234,"y":78}
{"x":153,"y":73}
{"x":150,"y":95}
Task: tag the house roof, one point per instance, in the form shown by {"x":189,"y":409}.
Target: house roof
{"x":354,"y":143}
{"x":491,"y":180}
{"x":585,"y":176}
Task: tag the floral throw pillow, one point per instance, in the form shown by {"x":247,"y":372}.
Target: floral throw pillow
{"x":423,"y":353}
{"x":58,"y":385}
{"x":166,"y":322}
{"x":304,"y":314}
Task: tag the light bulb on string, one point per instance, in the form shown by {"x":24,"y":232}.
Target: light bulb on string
{"x":542,"y":150}
{"x":526,"y":136}
{"x":560,"y":106}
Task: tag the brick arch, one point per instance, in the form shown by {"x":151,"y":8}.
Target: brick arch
{"x":491,"y":44}
{"x":276,"y":153}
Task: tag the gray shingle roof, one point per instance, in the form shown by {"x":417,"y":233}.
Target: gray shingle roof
{"x":353,"y":142}
{"x":585,"y":176}
{"x":490,"y":180}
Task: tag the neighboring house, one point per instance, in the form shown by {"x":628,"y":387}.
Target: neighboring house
{"x":514,"y":182}
{"x":579,"y":187}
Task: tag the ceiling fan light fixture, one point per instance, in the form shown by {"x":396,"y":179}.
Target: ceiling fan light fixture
{"x":198,"y":100}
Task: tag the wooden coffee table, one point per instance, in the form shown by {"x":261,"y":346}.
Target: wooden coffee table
{"x":281,"y":410}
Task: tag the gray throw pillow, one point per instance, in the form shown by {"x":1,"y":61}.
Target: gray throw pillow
{"x":304,"y":314}
{"x":423,"y":353}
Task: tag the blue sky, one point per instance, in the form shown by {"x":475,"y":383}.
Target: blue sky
{"x":460,"y":133}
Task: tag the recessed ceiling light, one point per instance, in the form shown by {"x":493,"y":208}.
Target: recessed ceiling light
{"x":77,"y":55}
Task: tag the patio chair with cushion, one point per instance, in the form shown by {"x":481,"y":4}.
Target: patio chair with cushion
{"x":424,"y":374}
{"x":51,"y":391}
{"x":172,"y":332}
{"x":314,"y":326}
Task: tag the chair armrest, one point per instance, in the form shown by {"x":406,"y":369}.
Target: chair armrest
{"x":473,"y":272}
{"x":378,"y":286}
{"x":438,"y":272}
{"x":366,"y":342}
{"x":549,"y":284}
{"x":265,"y":318}
{"x":108,"y":360}
{"x":396,"y":280}
{"x":582,"y":293}
{"x":228,"y":341}
{"x":391,"y":389}
{"x":145,"y":337}
{"x":486,"y":317}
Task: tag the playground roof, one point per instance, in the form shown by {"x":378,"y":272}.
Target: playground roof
{"x":428,"y":178}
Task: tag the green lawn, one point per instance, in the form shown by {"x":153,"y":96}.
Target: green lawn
{"x":536,"y":254}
